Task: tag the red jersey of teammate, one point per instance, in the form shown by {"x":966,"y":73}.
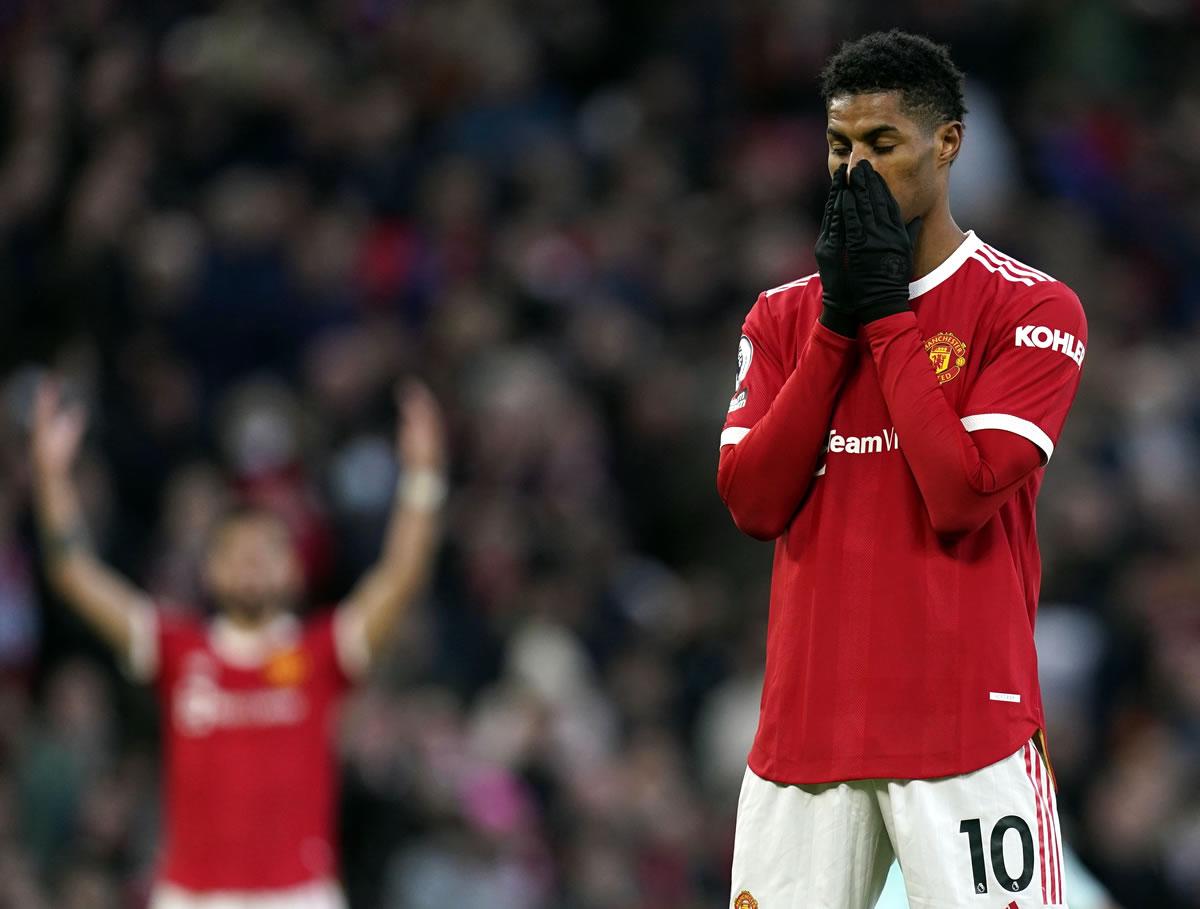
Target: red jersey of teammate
{"x":906,"y":572}
{"x":250,"y":777}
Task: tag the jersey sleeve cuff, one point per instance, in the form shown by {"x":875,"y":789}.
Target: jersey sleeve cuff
{"x":142,"y":660}
{"x":831,"y":338}
{"x":891,"y":325}
{"x":1024,"y":428}
{"x":733,"y":434}
{"x":350,"y":645}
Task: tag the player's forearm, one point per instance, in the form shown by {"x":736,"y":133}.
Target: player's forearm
{"x":414,"y":530}
{"x":56,"y":504}
{"x":61,"y":528}
{"x":98,"y":594}
{"x":764,"y":477}
{"x":961,"y":484}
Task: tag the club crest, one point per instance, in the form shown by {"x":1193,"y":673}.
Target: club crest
{"x":286,"y":668}
{"x":947,"y":354}
{"x":895,"y":267}
{"x":745,"y":901}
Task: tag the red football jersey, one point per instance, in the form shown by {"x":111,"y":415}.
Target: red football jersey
{"x":250,"y":770}
{"x":900,"y":640}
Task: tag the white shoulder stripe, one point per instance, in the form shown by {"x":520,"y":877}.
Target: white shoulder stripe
{"x":799,"y":282}
{"x":1015,"y":264}
{"x":1011,"y":265}
{"x":1002,"y":271}
{"x":1008,"y":422}
{"x":1018,"y":266}
{"x":1009,"y":269}
{"x":1036,"y":271}
{"x":733,"y":435}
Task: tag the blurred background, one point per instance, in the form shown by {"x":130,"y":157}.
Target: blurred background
{"x":234,"y":224}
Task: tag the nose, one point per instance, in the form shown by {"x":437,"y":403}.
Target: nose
{"x":859,"y":153}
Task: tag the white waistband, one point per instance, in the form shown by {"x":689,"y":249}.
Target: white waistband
{"x":317,"y":895}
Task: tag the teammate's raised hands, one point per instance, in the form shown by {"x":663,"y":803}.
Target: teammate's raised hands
{"x":58,"y":428}
{"x":420,"y":432}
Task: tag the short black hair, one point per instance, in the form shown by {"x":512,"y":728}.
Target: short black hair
{"x":929,"y":83}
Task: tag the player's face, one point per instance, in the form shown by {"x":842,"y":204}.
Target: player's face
{"x":913,"y":160}
{"x":252,"y":568}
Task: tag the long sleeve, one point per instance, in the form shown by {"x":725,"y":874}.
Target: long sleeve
{"x":967,"y":467}
{"x":769,"y":451}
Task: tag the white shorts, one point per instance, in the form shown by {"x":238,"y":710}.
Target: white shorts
{"x":317,"y":895}
{"x":984,"y":840}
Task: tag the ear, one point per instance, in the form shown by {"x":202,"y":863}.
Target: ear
{"x":947,"y":142}
{"x":212,"y":570}
{"x":296,"y":580}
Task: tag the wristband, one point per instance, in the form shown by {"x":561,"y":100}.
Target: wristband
{"x":59,"y":545}
{"x":423,"y":489}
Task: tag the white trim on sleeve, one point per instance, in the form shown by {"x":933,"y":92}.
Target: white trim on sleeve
{"x":141,"y":663}
{"x":733,"y":435}
{"x":350,"y":642}
{"x":1009,"y":423}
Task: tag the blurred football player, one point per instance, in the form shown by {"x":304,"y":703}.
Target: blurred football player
{"x":247,"y":699}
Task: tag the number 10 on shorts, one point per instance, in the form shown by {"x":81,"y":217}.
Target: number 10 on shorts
{"x":974,"y":831}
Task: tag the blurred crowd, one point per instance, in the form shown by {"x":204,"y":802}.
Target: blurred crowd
{"x":232,"y":225}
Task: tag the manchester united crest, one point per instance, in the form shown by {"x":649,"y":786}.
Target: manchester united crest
{"x":947,"y":354}
{"x":745,"y":901}
{"x":285,"y":668}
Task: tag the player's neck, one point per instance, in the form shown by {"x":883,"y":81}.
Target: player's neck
{"x":250,"y":621}
{"x":939,"y":237}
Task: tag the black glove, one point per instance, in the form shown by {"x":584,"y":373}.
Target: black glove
{"x":879,"y":247}
{"x":831,"y":262}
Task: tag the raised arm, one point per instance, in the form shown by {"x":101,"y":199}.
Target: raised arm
{"x":779,"y":417}
{"x":382,"y":598}
{"x":964,"y":476}
{"x":766,"y":469}
{"x":967,"y":466}
{"x":107,"y":601}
